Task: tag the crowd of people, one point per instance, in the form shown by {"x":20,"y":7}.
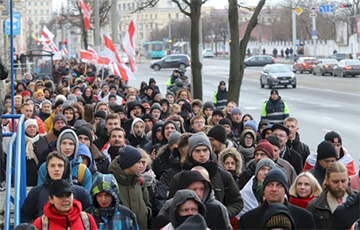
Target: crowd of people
{"x":101,"y":154}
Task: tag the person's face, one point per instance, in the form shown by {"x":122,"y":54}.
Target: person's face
{"x":276,"y":152}
{"x":174,"y":111}
{"x":338,"y":183}
{"x":274,"y":96}
{"x":170,"y":98}
{"x":183,"y":95}
{"x":196,"y":109}
{"x":46,"y":108}
{"x":117,"y":139}
{"x":197,"y":125}
{"x":137,"y":111}
{"x":97,"y":120}
{"x":105,"y":89}
{"x":77,"y":114}
{"x":103,"y":108}
{"x":67,"y":147}
{"x":112,"y":100}
{"x":27,"y":111}
{"x":268,"y":133}
{"x":143,"y":165}
{"x":198,"y":187}
{"x":169,"y":128}
{"x":156,"y":114}
{"x":208,"y":112}
{"x":135,"y":169}
{"x":40,"y":97}
{"x":56,"y":168}
{"x":258,"y":155}
{"x":159,"y":135}
{"x":337,"y":147}
{"x":148,"y":92}
{"x":164,"y":107}
{"x":227,"y":129}
{"x":324,"y":163}
{"x":113,"y":91}
{"x":175,"y":74}
{"x":59,"y":124}
{"x":17,"y":102}
{"x":148,"y":125}
{"x":138,"y":128}
{"x":64,"y":91}
{"x":31,"y":130}
{"x":32,"y":86}
{"x":247,"y":118}
{"x":248,"y":139}
{"x":229,"y":107}
{"x":104,"y":199}
{"x":236,"y":117}
{"x":111,"y":124}
{"x":180,"y":103}
{"x":292,"y":126}
{"x":262,"y":173}
{"x":283,"y":137}
{"x":189,"y":207}
{"x":274,"y":192}
{"x":229,"y":163}
{"x":47,"y":94}
{"x":69,"y":114}
{"x":216,"y":118}
{"x":222,"y":87}
{"x":85,"y":160}
{"x":215,"y":145}
{"x":303,"y":188}
{"x":87,"y":92}
{"x":201,"y":154}
{"x":157,"y":97}
{"x":62,"y":204}
{"x":59,"y":109}
{"x":84,"y":139}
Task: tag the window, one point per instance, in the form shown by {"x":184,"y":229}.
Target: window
{"x":47,"y":11}
{"x":169,"y":16}
{"x":47,"y":3}
{"x":29,"y":11}
{"x":29,"y":3}
{"x":124,"y":6}
{"x":169,"y":3}
{"x":41,"y":11}
{"x":177,"y":15}
{"x":119,"y":6}
{"x":35,"y":11}
{"x":150,"y":16}
{"x":41,"y":3}
{"x":35,"y":3}
{"x":129,"y":6}
{"x":155,"y":16}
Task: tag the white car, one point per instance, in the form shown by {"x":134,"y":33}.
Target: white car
{"x":208,"y":54}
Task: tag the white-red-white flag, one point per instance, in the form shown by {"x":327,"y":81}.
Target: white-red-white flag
{"x":46,"y":35}
{"x":110,"y":52}
{"x":128,"y":45}
{"x":86,"y":11}
{"x":63,"y":47}
{"x":91,"y":50}
{"x":87,"y":56}
{"x":52,"y":45}
{"x":47,"y":48}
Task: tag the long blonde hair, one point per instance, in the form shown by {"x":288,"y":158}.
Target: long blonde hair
{"x":314,"y":184}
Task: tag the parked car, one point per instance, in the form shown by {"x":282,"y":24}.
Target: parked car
{"x":277,"y":75}
{"x":208,"y":54}
{"x":338,"y":56}
{"x":304,"y":64}
{"x":259,"y":60}
{"x":324,"y":66}
{"x":347,"y":67}
{"x":180,"y":61}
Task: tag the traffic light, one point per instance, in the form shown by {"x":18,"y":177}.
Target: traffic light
{"x":342,"y":6}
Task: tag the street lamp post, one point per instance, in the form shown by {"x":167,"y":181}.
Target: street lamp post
{"x":30,"y":23}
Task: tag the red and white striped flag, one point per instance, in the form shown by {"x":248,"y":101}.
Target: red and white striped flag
{"x":47,"y":48}
{"x":91,"y":50}
{"x":52,"y":45}
{"x":86,"y":11}
{"x":63,"y":47}
{"x":86,"y":56}
{"x":46,"y":35}
{"x":110,"y":52}
{"x":128,"y":45}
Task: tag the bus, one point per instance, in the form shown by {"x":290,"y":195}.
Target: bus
{"x":154,"y":49}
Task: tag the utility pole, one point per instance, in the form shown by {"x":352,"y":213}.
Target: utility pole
{"x":314,"y":33}
{"x":114,"y":23}
{"x":294,"y":27}
{"x":97,"y":26}
{"x":170,"y":48}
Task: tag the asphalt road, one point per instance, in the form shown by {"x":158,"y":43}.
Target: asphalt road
{"x":320,"y":103}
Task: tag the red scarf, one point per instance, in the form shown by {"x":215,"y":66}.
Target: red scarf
{"x":300,"y":202}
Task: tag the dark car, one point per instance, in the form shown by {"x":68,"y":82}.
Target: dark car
{"x":347,"y":67}
{"x":338,"y":56}
{"x":277,"y":75}
{"x":259,"y":60}
{"x":324,"y":66}
{"x":304,"y":64}
{"x":180,"y":61}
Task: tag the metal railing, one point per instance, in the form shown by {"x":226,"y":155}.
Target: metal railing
{"x":15,"y":165}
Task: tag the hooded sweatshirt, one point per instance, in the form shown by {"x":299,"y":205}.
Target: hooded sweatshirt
{"x":137,"y":141}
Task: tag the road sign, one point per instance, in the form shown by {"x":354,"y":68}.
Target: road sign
{"x":298,"y":10}
{"x":223,"y":47}
{"x":313,"y":8}
{"x":16,"y":24}
{"x":313,"y":15}
{"x":297,"y":42}
{"x":314,"y":33}
{"x":326,"y":9}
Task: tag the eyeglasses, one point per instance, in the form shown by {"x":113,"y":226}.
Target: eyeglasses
{"x":248,"y":138}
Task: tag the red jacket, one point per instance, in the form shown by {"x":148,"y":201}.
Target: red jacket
{"x":59,"y":221}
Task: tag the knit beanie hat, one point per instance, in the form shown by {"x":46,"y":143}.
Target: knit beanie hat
{"x":174,"y":138}
{"x":128,"y":156}
{"x":225,"y":121}
{"x":100,"y":113}
{"x":235,"y":110}
{"x":186,"y":106}
{"x":218,"y":112}
{"x":198,"y":139}
{"x":266,"y":147}
{"x":155,"y":106}
{"x":279,"y":221}
{"x":147,"y":116}
{"x":72,"y":98}
{"x":274,"y":140}
{"x":170,"y":93}
{"x":45,"y":102}
{"x":264,"y":162}
{"x":267,"y":127}
{"x":26,"y":93}
{"x":112,"y":96}
{"x":31,"y":122}
{"x":274,"y":91}
{"x":59,"y":116}
{"x":194,"y":222}
{"x":60,"y":97}
{"x":280,"y":126}
{"x":334,"y":137}
{"x":218,"y":133}
{"x":39,"y":92}
{"x":325,"y":150}
{"x":85,"y":131}
{"x":277,"y":175}
{"x":207,"y":105}
{"x":251,"y":124}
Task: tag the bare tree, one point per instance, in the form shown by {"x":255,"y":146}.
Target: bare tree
{"x":238,"y":52}
{"x":180,"y":31}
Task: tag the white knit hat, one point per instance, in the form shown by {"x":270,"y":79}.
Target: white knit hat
{"x":31,"y":122}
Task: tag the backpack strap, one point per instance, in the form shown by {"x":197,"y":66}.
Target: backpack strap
{"x":81,"y":173}
{"x":85,"y":220}
{"x":44,"y":222}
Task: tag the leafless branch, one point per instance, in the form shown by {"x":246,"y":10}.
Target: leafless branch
{"x":183,"y":10}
